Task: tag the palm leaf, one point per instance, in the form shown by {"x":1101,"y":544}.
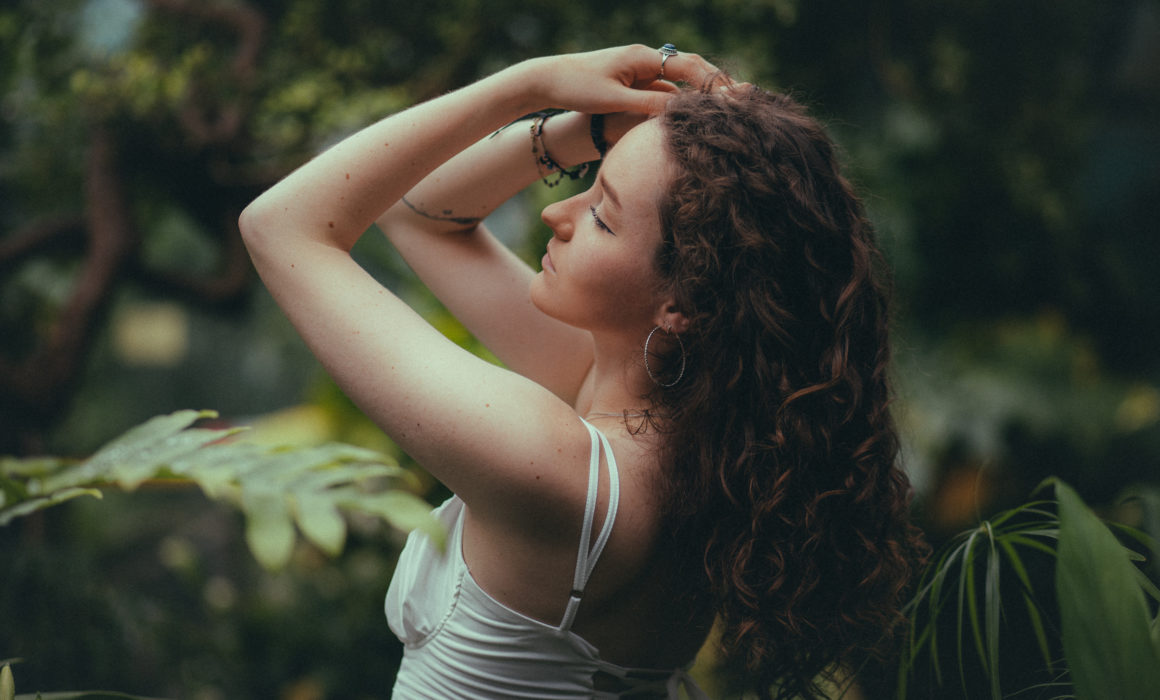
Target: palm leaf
{"x":952,"y":575}
{"x":992,"y":603}
{"x":966,"y":595}
{"x":31,"y":505}
{"x":281,"y":491}
{"x":1106,"y":633}
{"x":1032,"y":607}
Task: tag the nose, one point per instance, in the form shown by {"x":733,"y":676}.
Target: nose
{"x":559,"y":217}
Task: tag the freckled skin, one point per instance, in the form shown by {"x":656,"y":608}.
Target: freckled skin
{"x":603,"y":285}
{"x":598,"y":279}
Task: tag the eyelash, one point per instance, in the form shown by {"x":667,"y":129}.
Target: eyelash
{"x":600,"y":222}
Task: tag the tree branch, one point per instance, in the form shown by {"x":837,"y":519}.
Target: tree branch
{"x":222,"y":289}
{"x":38,"y":236}
{"x":250,"y":27}
{"x":33,"y":390}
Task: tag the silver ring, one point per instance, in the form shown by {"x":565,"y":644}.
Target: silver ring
{"x":667,"y":52}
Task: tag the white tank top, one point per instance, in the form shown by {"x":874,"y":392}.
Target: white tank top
{"x":459,"y":642}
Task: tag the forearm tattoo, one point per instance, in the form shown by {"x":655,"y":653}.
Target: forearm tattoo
{"x":445,"y":216}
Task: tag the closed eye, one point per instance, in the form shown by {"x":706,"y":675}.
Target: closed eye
{"x":600,"y":222}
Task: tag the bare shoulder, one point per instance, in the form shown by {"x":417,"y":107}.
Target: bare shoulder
{"x":523,"y":462}
{"x":641,"y":608}
{"x":522,"y":549}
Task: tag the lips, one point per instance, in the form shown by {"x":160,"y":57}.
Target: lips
{"x":546,"y":262}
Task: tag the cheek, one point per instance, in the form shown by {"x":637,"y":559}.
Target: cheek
{"x":624,"y":287}
{"x":598,"y":288}
{"x":603,"y":270}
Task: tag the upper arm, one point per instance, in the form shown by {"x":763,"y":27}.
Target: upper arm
{"x":487,"y":287}
{"x":492,"y":436}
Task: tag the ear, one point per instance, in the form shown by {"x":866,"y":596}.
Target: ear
{"x":671,"y":317}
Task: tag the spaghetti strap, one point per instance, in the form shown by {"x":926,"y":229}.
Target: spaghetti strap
{"x":588,"y":553}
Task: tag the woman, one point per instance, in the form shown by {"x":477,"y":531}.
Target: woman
{"x":711,"y":304}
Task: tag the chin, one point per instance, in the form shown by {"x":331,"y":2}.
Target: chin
{"x":538,"y":294}
{"x":545,"y":300}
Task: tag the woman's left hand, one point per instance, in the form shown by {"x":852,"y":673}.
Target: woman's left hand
{"x":621,"y":79}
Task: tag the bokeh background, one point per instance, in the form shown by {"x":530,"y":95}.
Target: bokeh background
{"x":1009,"y":153}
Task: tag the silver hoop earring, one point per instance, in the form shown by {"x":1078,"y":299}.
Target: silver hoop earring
{"x":648,"y":369}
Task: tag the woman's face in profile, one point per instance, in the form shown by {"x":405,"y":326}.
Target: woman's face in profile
{"x":599,"y":270}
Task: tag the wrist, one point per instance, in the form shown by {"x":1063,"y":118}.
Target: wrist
{"x":568,"y":137}
{"x":527,"y":83}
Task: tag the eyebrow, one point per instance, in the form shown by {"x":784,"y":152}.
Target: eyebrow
{"x":612,"y":197}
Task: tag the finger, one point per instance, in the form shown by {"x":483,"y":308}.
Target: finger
{"x":662,"y":86}
{"x":646,"y":101}
{"x":734,"y":90}
{"x":689,"y":68}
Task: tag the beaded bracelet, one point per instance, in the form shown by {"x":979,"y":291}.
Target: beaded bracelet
{"x":544,"y":159}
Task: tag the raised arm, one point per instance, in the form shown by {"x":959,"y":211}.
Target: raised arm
{"x":441,"y":404}
{"x":438,"y":230}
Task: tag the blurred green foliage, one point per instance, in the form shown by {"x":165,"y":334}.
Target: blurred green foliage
{"x":281,"y":490}
{"x":1009,"y":153}
{"x":156,"y":593}
{"x":1050,"y":578}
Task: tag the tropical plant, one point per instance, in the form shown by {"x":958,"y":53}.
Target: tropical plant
{"x":275,"y":488}
{"x":8,"y":691}
{"x":1092,"y":617}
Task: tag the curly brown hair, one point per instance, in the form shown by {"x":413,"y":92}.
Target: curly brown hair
{"x":780,"y":438}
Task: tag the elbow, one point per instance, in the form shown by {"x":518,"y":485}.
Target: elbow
{"x":253,"y":224}
{"x":246,"y":224}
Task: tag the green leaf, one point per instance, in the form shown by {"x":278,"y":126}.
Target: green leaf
{"x":12,"y":467}
{"x":41,"y":502}
{"x":217,"y":470}
{"x":127,"y":451}
{"x":1028,"y":542}
{"x":941,"y":584}
{"x":936,"y":605}
{"x":1106,"y":636}
{"x":1028,"y":601}
{"x":1032,"y":507}
{"x":966,"y":594}
{"x":404,"y":511}
{"x":320,"y":521}
{"x":320,"y":479}
{"x":7,"y":685}
{"x":274,"y":487}
{"x":991,"y":603}
{"x":269,"y":531}
{"x":151,"y":459}
{"x":84,"y":695}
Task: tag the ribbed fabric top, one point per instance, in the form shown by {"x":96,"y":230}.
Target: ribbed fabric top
{"x":459,"y":642}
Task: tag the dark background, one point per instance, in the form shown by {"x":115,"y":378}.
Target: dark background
{"x":1008,"y":152}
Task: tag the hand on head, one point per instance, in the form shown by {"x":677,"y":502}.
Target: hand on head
{"x":620,"y":79}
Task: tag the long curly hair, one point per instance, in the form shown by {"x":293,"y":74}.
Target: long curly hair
{"x":779,"y":435}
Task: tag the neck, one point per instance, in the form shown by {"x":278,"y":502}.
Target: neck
{"x":618,"y":380}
